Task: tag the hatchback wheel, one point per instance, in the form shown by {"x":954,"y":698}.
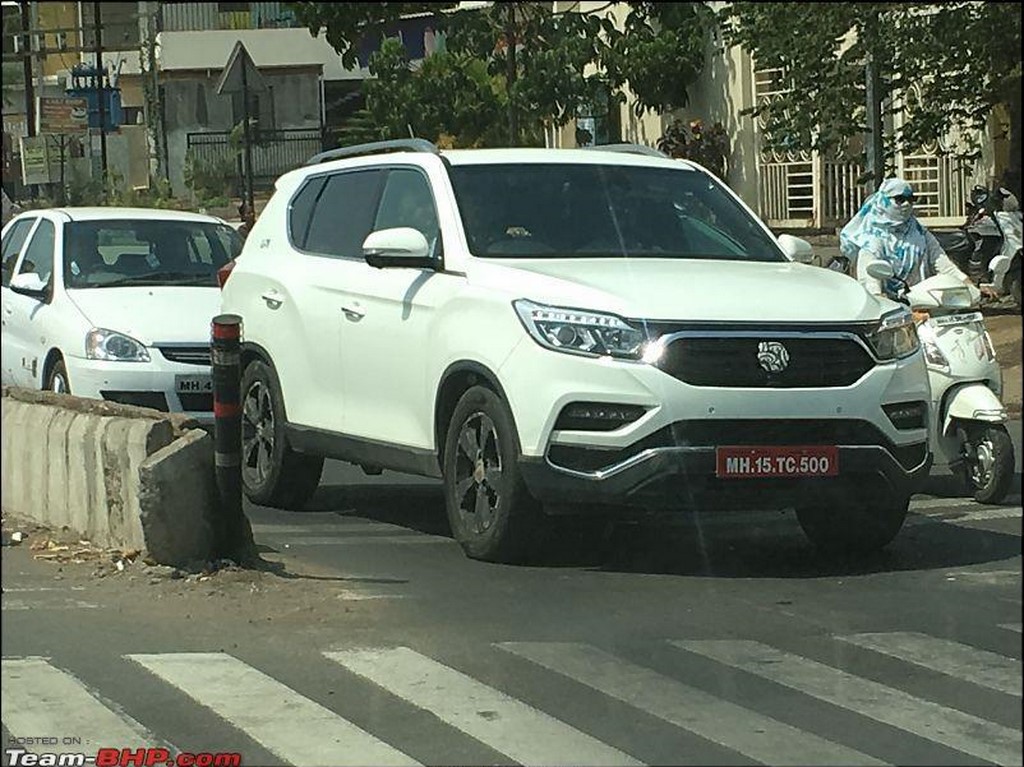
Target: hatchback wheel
{"x":57,"y":381}
{"x":272,"y":473}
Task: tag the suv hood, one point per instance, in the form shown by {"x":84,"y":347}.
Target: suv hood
{"x":676,"y":289}
{"x":151,"y":315}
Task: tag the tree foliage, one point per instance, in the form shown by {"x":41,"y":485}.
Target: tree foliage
{"x":511,"y":69}
{"x":949,"y":65}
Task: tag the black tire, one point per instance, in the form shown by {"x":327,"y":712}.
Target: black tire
{"x":861,"y":524}
{"x":57,"y":380}
{"x":272,"y":473}
{"x":988,"y":463}
{"x":1013,"y":289}
{"x":491,"y":513}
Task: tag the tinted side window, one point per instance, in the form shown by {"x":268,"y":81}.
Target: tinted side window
{"x":13,"y":241}
{"x":301,"y":210}
{"x":39,"y":256}
{"x":343,"y":215}
{"x":408,"y":201}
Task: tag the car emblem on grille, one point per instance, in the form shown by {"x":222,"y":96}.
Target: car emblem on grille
{"x":772,"y":356}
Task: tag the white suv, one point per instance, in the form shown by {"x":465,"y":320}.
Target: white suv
{"x":567,"y":331}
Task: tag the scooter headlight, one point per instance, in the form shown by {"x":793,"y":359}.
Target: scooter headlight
{"x":896,"y":336}
{"x":929,"y":343}
{"x":952,"y":298}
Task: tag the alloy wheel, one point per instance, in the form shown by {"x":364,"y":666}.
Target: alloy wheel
{"x":478,"y":473}
{"x":257,"y":432}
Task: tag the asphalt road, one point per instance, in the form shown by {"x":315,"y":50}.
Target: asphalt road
{"x":721,"y":639}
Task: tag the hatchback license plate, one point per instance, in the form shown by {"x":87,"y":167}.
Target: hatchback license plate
{"x":743,"y":462}
{"x":195,"y":384}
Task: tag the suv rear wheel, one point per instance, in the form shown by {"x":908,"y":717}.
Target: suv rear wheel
{"x":491,"y":513}
{"x":854,"y":525}
{"x":272,"y":473}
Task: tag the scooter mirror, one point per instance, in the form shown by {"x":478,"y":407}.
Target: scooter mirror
{"x":880,"y":270}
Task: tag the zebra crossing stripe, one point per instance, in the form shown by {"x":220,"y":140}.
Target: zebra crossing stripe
{"x":1011,"y":627}
{"x":988,"y":669}
{"x":40,"y":699}
{"x":292,"y":727}
{"x":931,"y":721}
{"x":509,"y":726}
{"x":754,"y":735}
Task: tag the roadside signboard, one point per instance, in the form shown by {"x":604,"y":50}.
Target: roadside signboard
{"x":63,"y":115}
{"x":35,"y":160}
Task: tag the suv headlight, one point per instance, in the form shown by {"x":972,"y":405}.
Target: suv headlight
{"x":895,"y":337}
{"x":109,"y":345}
{"x":577,"y":331}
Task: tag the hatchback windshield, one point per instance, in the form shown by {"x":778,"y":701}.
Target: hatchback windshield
{"x":558,"y":210}
{"x":116,"y":253}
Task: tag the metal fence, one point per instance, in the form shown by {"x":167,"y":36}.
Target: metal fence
{"x":274,"y":151}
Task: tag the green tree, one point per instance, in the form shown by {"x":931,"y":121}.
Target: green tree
{"x":517,"y":63}
{"x":946,"y":66}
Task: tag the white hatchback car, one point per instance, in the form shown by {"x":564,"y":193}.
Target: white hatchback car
{"x":114,"y":304}
{"x":567,"y":331}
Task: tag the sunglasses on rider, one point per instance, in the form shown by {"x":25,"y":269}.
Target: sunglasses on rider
{"x":899,"y":199}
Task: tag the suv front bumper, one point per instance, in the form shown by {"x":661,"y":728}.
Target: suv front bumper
{"x":684,"y":477}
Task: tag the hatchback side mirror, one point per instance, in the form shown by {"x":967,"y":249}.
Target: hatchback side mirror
{"x":798,"y":249}
{"x":401,"y":246}
{"x":29,"y":284}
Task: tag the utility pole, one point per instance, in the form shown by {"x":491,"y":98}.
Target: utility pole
{"x":875,"y":150}
{"x":101,"y":92}
{"x":30,"y":96}
{"x":247,"y":178}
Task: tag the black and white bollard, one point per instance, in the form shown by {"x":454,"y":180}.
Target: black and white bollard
{"x":233,"y":535}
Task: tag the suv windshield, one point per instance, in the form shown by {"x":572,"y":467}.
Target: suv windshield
{"x":117,"y":253}
{"x":561,"y":210}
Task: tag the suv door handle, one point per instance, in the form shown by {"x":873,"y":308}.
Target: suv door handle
{"x":354,"y":312}
{"x":273,"y":299}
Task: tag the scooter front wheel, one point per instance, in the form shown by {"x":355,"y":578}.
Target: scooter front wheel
{"x":988,"y":462}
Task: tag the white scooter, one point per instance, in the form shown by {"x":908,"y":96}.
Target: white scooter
{"x":968,"y":429}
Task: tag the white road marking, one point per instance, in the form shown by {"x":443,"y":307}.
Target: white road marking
{"x":981,"y":667}
{"x":955,"y":729}
{"x":747,"y":732}
{"x":1011,"y":627}
{"x":35,"y":604}
{"x":287,"y":724}
{"x":40,"y":699}
{"x":365,"y":540}
{"x":519,"y":731}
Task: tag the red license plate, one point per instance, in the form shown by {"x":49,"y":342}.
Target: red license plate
{"x":742,"y":462}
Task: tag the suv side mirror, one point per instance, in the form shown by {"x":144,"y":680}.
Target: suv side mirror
{"x":798,"y":249}
{"x":402,"y":246}
{"x":29,"y":284}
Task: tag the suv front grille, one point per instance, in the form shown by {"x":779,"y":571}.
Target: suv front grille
{"x":187,"y":355}
{"x":733,"y":361}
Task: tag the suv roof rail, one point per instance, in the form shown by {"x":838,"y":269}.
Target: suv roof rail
{"x":629,"y":149}
{"x":375,"y":147}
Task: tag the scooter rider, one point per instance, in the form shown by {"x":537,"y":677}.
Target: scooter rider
{"x":886,"y":229}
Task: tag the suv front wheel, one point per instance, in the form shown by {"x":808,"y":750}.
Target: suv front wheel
{"x":858,"y":525}
{"x":491,"y":513}
{"x":272,"y":473}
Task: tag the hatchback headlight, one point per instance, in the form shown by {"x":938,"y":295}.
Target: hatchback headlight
{"x":111,"y":346}
{"x":895,"y":337}
{"x":578,"y":331}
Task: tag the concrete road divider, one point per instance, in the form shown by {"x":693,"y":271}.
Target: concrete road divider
{"x":120,"y":476}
